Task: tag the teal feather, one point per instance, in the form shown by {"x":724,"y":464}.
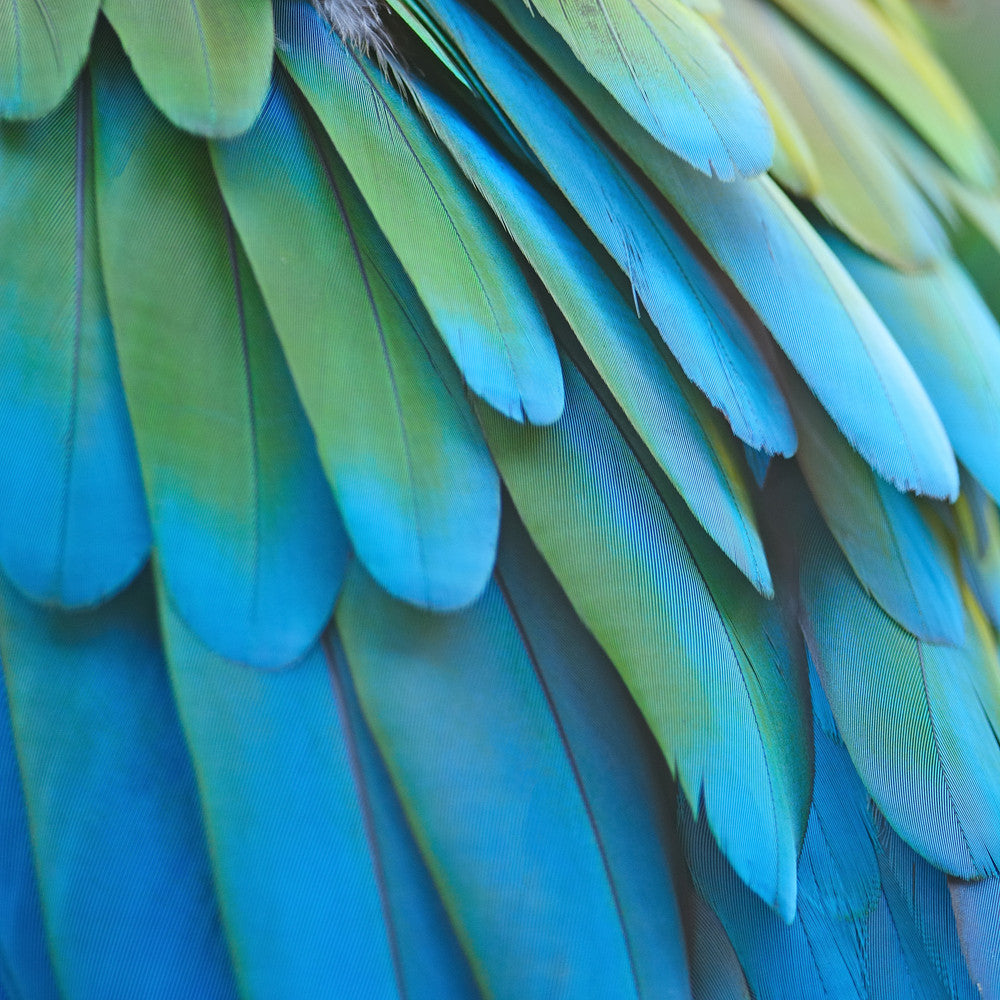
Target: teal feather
{"x":683,"y":434}
{"x":918,"y":898}
{"x":716,"y":973}
{"x":75,"y":527}
{"x":919,"y":720}
{"x":411,"y":474}
{"x":953,"y":342}
{"x":533,"y":733}
{"x":204,"y":63}
{"x":709,"y":338}
{"x":977,"y":916}
{"x":706,"y":659}
{"x":314,"y":874}
{"x":111,"y":802}
{"x":671,"y":72}
{"x":977,"y":529}
{"x":455,"y":254}
{"x":895,"y":553}
{"x":247,"y":534}
{"x":25,"y":966}
{"x":822,"y":952}
{"x":798,"y":288}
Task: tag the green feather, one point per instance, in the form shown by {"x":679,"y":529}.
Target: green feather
{"x":246,"y":531}
{"x":706,"y":659}
{"x":43,"y":44}
{"x":446,"y":240}
{"x":206,"y":64}
{"x":412,"y":476}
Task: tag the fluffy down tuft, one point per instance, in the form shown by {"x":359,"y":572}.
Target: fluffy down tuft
{"x":359,"y":24}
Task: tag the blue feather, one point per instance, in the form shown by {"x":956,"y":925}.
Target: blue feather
{"x":706,"y":334}
{"x":919,"y":720}
{"x":716,"y":973}
{"x":446,"y":240}
{"x":821,"y":952}
{"x":685,"y":437}
{"x":529,"y":781}
{"x":316,"y":877}
{"x":977,"y":917}
{"x":796,"y":285}
{"x":709,"y":662}
{"x":952,"y":340}
{"x":112,"y":806}
{"x":25,"y":967}
{"x":413,"y":479}
{"x":892,"y":548}
{"x":918,"y":898}
{"x":74,"y":526}
{"x":247,"y":535}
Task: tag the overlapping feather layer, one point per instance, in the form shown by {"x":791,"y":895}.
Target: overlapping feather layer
{"x":500,"y":501}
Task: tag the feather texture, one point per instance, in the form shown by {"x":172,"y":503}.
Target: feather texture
{"x":320,"y":889}
{"x":43,"y":44}
{"x":905,"y":72}
{"x":205,"y":64}
{"x":953,"y":342}
{"x":247,"y":534}
{"x":977,"y":915}
{"x":703,"y":656}
{"x":111,"y":802}
{"x":412,"y":476}
{"x":459,"y":262}
{"x":707,"y":336}
{"x":918,"y":719}
{"x":858,"y":186}
{"x":801,"y":292}
{"x":687,"y":440}
{"x":75,"y":527}
{"x":894,"y":552}
{"x":25,"y":966}
{"x":598,"y":916}
{"x":668,"y":69}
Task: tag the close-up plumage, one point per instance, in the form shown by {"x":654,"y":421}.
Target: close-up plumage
{"x":499,"y":499}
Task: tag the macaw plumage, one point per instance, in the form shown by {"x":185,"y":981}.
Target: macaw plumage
{"x":496,"y":501}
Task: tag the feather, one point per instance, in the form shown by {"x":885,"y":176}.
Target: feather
{"x":616,"y":762}
{"x":25,"y":966}
{"x":900,"y":561}
{"x":918,"y":719}
{"x":534,"y":733}
{"x":412,"y":476}
{"x":716,"y":973}
{"x":319,"y":886}
{"x":247,"y":534}
{"x":205,"y":64}
{"x":901,"y":67}
{"x":704,"y":332}
{"x":953,"y":342}
{"x":686,"y":438}
{"x":668,"y":69}
{"x":977,"y":916}
{"x":823,"y":951}
{"x":43,"y":45}
{"x":797,"y":287}
{"x":918,"y":898}
{"x":452,"y":250}
{"x":111,"y":802}
{"x":978,"y":532}
{"x":859,"y":187}
{"x":75,"y":527}
{"x":705,"y":657}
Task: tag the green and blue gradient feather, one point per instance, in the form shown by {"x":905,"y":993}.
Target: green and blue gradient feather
{"x":496,"y":501}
